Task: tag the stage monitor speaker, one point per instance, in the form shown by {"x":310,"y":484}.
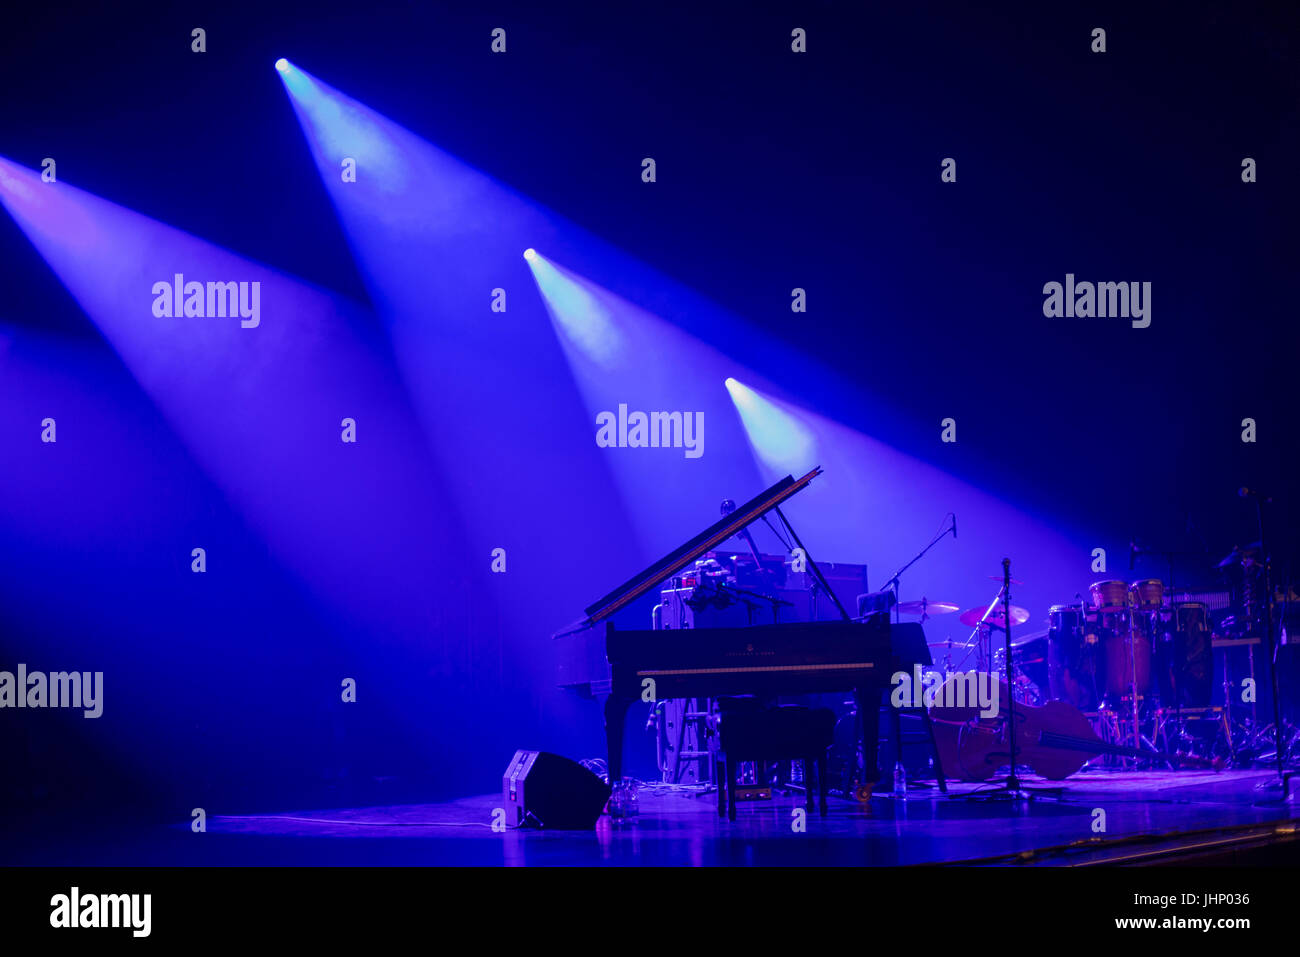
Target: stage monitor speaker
{"x":545,"y":790}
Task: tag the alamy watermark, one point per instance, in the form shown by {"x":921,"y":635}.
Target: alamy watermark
{"x":932,"y":689}
{"x":1100,"y":300}
{"x":211,"y":300}
{"x":75,"y":909}
{"x":55,"y":689}
{"x":651,"y":430}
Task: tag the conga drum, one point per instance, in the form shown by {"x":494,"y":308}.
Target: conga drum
{"x":1128,"y":654}
{"x":1147,"y":594}
{"x":1109,"y":596}
{"x":1185,"y":658}
{"x":1073,"y":653}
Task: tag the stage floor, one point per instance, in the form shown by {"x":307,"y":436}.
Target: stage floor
{"x":677,"y":827}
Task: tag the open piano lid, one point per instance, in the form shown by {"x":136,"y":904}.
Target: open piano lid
{"x":675,"y":561}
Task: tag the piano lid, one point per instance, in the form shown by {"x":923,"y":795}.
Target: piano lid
{"x":675,"y":561}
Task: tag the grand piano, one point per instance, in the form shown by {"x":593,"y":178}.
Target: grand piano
{"x":858,"y":655}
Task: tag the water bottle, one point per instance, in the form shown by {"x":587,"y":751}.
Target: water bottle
{"x":900,"y":780}
{"x":623,"y":804}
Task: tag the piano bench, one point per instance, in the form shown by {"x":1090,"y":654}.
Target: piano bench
{"x":749,"y":732}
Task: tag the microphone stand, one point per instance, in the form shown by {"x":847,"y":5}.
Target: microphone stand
{"x":1012,"y":789}
{"x":1283,"y":783}
{"x":1013,"y":782}
{"x":893,"y":582}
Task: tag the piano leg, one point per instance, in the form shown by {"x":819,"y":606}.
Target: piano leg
{"x":867,"y":701}
{"x":822,"y":764}
{"x":934,"y":749}
{"x":731,"y":767}
{"x":615,"y":717}
{"x":896,"y":729}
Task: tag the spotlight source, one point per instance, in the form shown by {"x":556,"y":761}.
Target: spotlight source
{"x":282,"y":65}
{"x":777,"y":435}
{"x":530,"y":253}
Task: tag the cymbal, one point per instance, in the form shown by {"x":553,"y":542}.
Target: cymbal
{"x":948,"y":643}
{"x":998,"y":578}
{"x":972,"y":616}
{"x":927,"y":607}
{"x":1028,"y":639}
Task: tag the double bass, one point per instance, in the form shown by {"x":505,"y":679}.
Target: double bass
{"x":1054,"y":739}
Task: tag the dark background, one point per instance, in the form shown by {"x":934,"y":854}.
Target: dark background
{"x":775,"y":171}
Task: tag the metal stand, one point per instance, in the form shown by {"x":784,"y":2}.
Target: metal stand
{"x":1133,"y":674}
{"x":1283,"y":783}
{"x":893,"y":581}
{"x":1012,"y":789}
{"x":1013,"y":781}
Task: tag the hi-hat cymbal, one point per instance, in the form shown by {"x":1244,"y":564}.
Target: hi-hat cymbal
{"x":972,"y":616}
{"x":948,"y":644}
{"x":998,"y":578}
{"x":927,"y":607}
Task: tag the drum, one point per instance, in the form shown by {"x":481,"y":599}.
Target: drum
{"x":1184,"y":659}
{"x":1147,"y":595}
{"x":1065,"y":618}
{"x":1128,"y":654}
{"x":1025,"y":688}
{"x":1074,"y":671}
{"x":1109,"y":595}
{"x":1031,"y":660}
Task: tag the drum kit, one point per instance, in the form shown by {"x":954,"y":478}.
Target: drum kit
{"x":981,"y":651}
{"x":1134,"y":660}
{"x":1132,"y":652}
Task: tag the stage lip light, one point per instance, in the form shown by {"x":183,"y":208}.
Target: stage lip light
{"x":530,"y":253}
{"x":282,"y":65}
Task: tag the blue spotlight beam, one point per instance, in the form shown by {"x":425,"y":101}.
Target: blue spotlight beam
{"x":878,"y":505}
{"x":438,"y":244}
{"x":629,"y":361}
{"x":260,"y":406}
{"x":433,"y":236}
{"x":780,"y":441}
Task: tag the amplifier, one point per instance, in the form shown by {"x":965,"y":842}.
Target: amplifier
{"x":540,"y":789}
{"x":809,"y":602}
